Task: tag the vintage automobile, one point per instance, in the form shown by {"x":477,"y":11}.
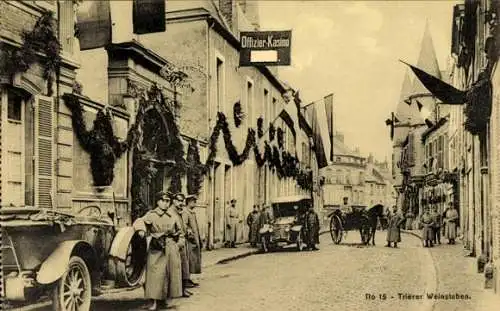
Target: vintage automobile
{"x":68,"y":257}
{"x":286,"y":227}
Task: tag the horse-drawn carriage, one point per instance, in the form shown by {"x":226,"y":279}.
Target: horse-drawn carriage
{"x":356,"y":218}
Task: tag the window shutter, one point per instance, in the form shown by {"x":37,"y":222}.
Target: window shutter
{"x":44,"y":151}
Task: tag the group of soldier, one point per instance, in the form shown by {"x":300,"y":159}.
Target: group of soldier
{"x":432,"y":222}
{"x":257,"y":218}
{"x":174,"y":249}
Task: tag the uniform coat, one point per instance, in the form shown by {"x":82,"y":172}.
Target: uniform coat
{"x":182,"y":243}
{"x":163,"y":267}
{"x":194,"y":241}
{"x":427,"y":222}
{"x":231,"y":221}
{"x":312,"y":228}
{"x":253,"y":225}
{"x":450,"y":223}
{"x":394,"y":227}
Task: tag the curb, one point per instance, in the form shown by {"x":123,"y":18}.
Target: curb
{"x":411,"y":233}
{"x":235,"y":257}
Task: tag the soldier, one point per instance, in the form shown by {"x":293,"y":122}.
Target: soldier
{"x":177,"y":208}
{"x":312,"y":229}
{"x":232,"y":219}
{"x":427,"y":222}
{"x":193,"y":238}
{"x":253,"y":226}
{"x":394,"y":227}
{"x":436,"y":226}
{"x":163,"y":267}
{"x":450,"y":227}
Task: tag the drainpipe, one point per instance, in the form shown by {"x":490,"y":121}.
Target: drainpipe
{"x":211,"y":205}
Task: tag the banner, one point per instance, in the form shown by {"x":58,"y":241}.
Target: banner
{"x":265,"y":48}
{"x":149,"y":16}
{"x":329,"y":118}
{"x":94,"y":24}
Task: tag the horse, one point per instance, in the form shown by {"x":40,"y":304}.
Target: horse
{"x":375,"y":213}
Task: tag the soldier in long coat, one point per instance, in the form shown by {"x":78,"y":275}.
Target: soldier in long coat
{"x":312,"y":229}
{"x":450,"y":223}
{"x":163,"y":267}
{"x":177,"y":208}
{"x":427,"y":222}
{"x":395,"y":220}
{"x":194,"y":238}
{"x":253,"y":226}
{"x":232,"y":219}
{"x":436,"y":226}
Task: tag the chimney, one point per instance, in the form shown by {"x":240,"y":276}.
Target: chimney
{"x":226,"y":9}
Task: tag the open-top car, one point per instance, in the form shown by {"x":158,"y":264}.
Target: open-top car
{"x":286,"y":226}
{"x":69,"y":257}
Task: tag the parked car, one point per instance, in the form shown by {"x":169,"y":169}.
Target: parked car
{"x":286,"y":226}
{"x":69,"y":257}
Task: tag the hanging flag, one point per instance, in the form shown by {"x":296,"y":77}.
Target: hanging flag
{"x":312,"y":113}
{"x":149,"y":16}
{"x":392,"y":122}
{"x":94,"y":24}
{"x":329,"y":119}
{"x":429,"y":123}
{"x":442,"y":90}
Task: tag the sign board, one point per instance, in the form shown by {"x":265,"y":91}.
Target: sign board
{"x":265,"y":48}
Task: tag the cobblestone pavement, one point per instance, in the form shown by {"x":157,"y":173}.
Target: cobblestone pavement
{"x":338,"y":277}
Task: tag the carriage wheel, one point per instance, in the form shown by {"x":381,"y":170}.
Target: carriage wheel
{"x":365,"y":234}
{"x":73,"y":290}
{"x":336,"y":229}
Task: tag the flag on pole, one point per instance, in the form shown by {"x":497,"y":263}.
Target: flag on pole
{"x":329,"y":117}
{"x":94,"y":24}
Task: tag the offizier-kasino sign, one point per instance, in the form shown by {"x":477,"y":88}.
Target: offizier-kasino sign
{"x":269,"y":48}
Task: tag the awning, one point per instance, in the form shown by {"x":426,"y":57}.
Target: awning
{"x":446,"y":93}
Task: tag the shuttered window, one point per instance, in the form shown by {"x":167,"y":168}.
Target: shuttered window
{"x":44,"y":133}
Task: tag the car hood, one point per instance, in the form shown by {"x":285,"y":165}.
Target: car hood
{"x":285,"y":220}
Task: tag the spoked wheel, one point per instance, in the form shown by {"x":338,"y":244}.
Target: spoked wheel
{"x":336,"y":229}
{"x":130,"y":270}
{"x":265,"y":244}
{"x":73,"y":290}
{"x":300,"y":242}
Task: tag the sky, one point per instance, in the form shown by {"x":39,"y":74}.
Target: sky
{"x":351,"y":49}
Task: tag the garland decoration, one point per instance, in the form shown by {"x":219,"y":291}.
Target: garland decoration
{"x":237,"y":114}
{"x":100,"y":142}
{"x":260,"y":124}
{"x":195,"y":168}
{"x":41,"y":39}
{"x":277,"y":162}
{"x":272,"y":131}
{"x":280,"y":137}
{"x":259,"y":159}
{"x":142,"y":175}
{"x":305,"y":179}
{"x":478,"y":106}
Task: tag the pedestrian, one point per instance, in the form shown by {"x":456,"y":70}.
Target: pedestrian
{"x":232,"y":219}
{"x":177,"y":209}
{"x":163,"y":266}
{"x":194,"y":239}
{"x":312,"y":229}
{"x":427,"y":221}
{"x":436,"y":226}
{"x":409,"y":220}
{"x":450,"y":223}
{"x":253,"y":226}
{"x":395,"y":220}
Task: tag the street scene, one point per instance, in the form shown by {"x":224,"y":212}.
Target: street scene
{"x":249,"y":154}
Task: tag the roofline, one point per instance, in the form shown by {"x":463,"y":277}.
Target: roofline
{"x":141,"y":53}
{"x":436,"y":126}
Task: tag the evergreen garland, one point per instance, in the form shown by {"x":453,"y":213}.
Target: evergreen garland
{"x":100,"y":142}
{"x":272,"y":131}
{"x":142,"y":175}
{"x":260,"y":124}
{"x":259,"y":159}
{"x":280,"y":137}
{"x":194,"y":169}
{"x":478,"y":106}
{"x":41,"y":39}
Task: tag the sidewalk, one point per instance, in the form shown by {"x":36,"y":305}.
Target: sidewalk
{"x":457,"y":273}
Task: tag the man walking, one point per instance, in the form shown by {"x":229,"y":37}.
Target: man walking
{"x":177,"y":209}
{"x":394,"y":227}
{"x":193,"y":238}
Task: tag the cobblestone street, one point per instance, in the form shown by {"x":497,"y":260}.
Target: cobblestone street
{"x":338,"y":277}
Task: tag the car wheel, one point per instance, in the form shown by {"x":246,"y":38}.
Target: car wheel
{"x":300,"y":242}
{"x":72,"y":291}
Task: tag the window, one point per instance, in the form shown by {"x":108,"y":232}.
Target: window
{"x":14,"y":107}
{"x":67,"y":25}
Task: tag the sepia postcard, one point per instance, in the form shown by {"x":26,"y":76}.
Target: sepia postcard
{"x":240,"y":155}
